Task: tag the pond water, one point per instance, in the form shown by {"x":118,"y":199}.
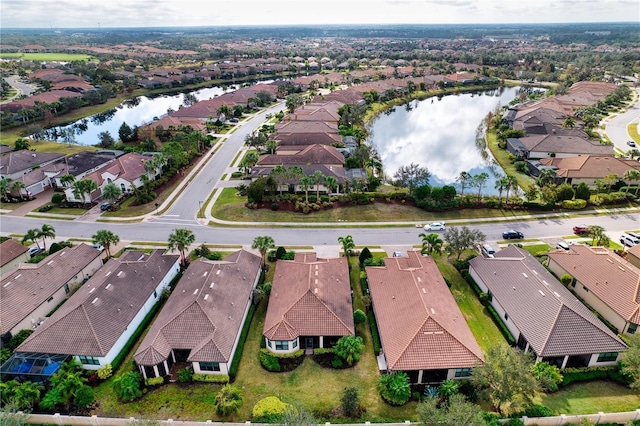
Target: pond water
{"x":135,"y":112}
{"x":445,"y":135}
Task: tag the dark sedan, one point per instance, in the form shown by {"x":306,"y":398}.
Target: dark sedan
{"x":512,"y":235}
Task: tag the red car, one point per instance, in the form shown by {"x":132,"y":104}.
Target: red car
{"x":581,"y":229}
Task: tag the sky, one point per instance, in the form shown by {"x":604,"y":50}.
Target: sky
{"x":157,"y":13}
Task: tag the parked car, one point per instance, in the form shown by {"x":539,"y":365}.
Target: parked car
{"x":581,"y":229}
{"x":34,"y":251}
{"x":634,"y":234}
{"x":512,"y":234}
{"x":487,"y":251}
{"x":631,"y":144}
{"x":628,"y":240}
{"x":564,"y":246}
{"x":98,"y":247}
{"x":105,"y":206}
{"x":434,"y":226}
{"x":233,"y":120}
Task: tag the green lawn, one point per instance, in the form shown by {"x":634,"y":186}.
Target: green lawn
{"x":482,"y":326}
{"x":53,"y":56}
{"x":592,"y":397}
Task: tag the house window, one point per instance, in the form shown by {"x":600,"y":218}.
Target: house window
{"x":50,"y":299}
{"x":155,"y":294}
{"x":506,"y":316}
{"x":585,"y":289}
{"x":489,"y":296}
{"x":209,"y":366}
{"x":269,"y":343}
{"x":632,"y":328}
{"x":607,"y":356}
{"x":294,"y":344}
{"x":66,"y":288}
{"x":463,"y":372}
{"x":282,"y":345}
{"x":124,"y":188}
{"x":89,"y":360}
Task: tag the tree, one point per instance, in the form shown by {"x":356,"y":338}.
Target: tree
{"x":271,"y":145}
{"x":128,"y":386}
{"x":84,"y":397}
{"x":456,"y":411}
{"x":598,"y":236}
{"x":630,"y":360}
{"x":512,"y":184}
{"x":546,"y":177}
{"x":569,"y":122}
{"x":394,"y":388}
{"x":106,"y":140}
{"x":111,"y":192}
{"x":228,"y":400}
{"x":548,"y":376}
{"x":631,"y":175}
{"x":82,"y":189}
{"x":359,"y":317}
{"x":506,"y":379}
{"x":27,"y":395}
{"x":16,"y":187}
{"x":31,"y":235}
{"x":350,"y":401}
{"x":317,"y":177}
{"x":125,"y":133}
{"x":411,"y":177}
{"x":21,"y":144}
{"x":347,"y":245}
{"x":464,"y":179}
{"x":349,"y":348}
{"x":479,"y":181}
{"x":47,"y":231}
{"x":180,"y":239}
{"x":4,"y":189}
{"x":611,"y":180}
{"x":501,"y":184}
{"x":431,"y":243}
{"x":263,"y":244}
{"x":293,"y":101}
{"x":105,"y":238}
{"x":67,"y":180}
{"x":582,"y":191}
{"x":461,"y":239}
{"x":365,"y":255}
{"x":306,"y":182}
{"x":331,"y":183}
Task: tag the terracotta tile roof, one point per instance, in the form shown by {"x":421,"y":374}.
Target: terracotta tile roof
{"x":94,"y":318}
{"x":129,"y":167}
{"x":565,"y":144}
{"x":205,"y":311}
{"x":309,"y":297}
{"x":306,"y":138}
{"x":612,"y":279}
{"x":312,"y":154}
{"x":549,"y":317}
{"x":590,"y":166}
{"x":9,"y":250}
{"x":26,"y":288}
{"x":421,"y":326}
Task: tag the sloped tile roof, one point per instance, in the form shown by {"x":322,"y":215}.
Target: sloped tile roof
{"x":312,"y":154}
{"x":94,"y":318}
{"x":612,"y":279}
{"x":420,"y":324}
{"x":26,"y":288}
{"x":17,"y":161}
{"x":9,"y":250}
{"x":309,"y":297}
{"x":549,"y":317}
{"x":590,"y":166}
{"x":205,"y":311}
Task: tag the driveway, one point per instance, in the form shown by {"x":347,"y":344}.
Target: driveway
{"x":616,"y":127}
{"x":22,"y":88}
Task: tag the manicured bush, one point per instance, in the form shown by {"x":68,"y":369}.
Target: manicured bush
{"x":128,"y":386}
{"x":210,"y":378}
{"x":281,"y":362}
{"x":571,"y":375}
{"x":547,"y":375}
{"x":574,"y":204}
{"x":268,"y":361}
{"x":84,"y":397}
{"x":185,"y":375}
{"x":280,"y":252}
{"x":394,"y":388}
{"x":467,"y":276}
{"x":154,"y":381}
{"x":105,"y":372}
{"x":375,"y":337}
{"x":228,"y":400}
{"x":501,"y":325}
{"x":269,"y":410}
{"x":45,"y":208}
{"x":233,"y":369}
{"x":359,"y":317}
{"x":364,"y":255}
{"x":57,"y":198}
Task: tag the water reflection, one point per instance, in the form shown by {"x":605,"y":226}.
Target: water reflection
{"x":440,"y":135}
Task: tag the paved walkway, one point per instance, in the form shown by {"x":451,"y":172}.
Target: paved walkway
{"x":40,"y":200}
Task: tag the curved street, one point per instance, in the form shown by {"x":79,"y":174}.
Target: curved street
{"x":616,"y":127}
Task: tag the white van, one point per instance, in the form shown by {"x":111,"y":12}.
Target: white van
{"x":562,"y":245}
{"x":628,"y":240}
{"x":487,"y":251}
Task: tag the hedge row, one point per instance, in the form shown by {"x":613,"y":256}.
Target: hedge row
{"x":375,"y":337}
{"x":570,"y":375}
{"x":211,"y":378}
{"x":467,"y":276}
{"x":280,"y":362}
{"x":233,"y":369}
{"x":501,"y":325}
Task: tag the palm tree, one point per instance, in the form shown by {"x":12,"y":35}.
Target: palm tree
{"x":611,"y":180}
{"x":111,"y":191}
{"x":84,"y":188}
{"x":180,"y":239}
{"x":306,"y":182}
{"x":512,"y":183}
{"x":331,"y":183}
{"x":263,"y":244}
{"x":317,"y":177}
{"x":67,"y":180}
{"x":272,"y":146}
{"x":105,"y":238}
{"x":501,"y":184}
{"x":375,"y":165}
{"x":31,"y":235}
{"x":598,"y":236}
{"x":569,"y":122}
{"x":347,"y":244}
{"x":431,"y":243}
{"x":631,"y":175}
{"x":280,"y":175}
{"x":633,"y":153}
{"x":17,"y":186}
{"x":27,"y":394}
{"x":479,"y":181}
{"x":4,"y":188}
{"x":47,"y":231}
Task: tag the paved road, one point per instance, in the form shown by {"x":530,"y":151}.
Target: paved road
{"x":22,"y":88}
{"x":405,"y":235}
{"x":616,"y":128}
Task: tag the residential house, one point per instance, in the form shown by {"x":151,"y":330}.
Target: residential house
{"x":126,"y":172}
{"x":633,"y":255}
{"x":31,"y":291}
{"x":557,"y":146}
{"x":216,"y":297}
{"x":422,"y":331}
{"x":17,"y":163}
{"x":543,"y":316}
{"x":11,"y":254}
{"x":605,"y":281}
{"x":96,"y":323}
{"x":586,"y":168}
{"x":310,"y":304}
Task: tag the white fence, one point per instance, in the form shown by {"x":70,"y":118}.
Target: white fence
{"x":57,"y":419}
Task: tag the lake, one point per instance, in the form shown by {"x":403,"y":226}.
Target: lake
{"x":440,"y":134}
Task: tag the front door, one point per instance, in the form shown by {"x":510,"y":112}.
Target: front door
{"x":308,"y":342}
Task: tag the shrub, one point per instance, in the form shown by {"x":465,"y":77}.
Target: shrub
{"x":17,"y":340}
{"x":566,"y":279}
{"x":154,"y":381}
{"x":394,"y":388}
{"x":574,"y":204}
{"x":375,"y":337}
{"x":269,"y":410}
{"x":281,"y":362}
{"x":228,"y":400}
{"x":350,"y":401}
{"x":210,"y":378}
{"x":185,"y":375}
{"x":501,"y":325}
{"x":215,"y":255}
{"x":105,"y":372}
{"x":349,"y":348}
{"x":268,"y":361}
{"x":537,"y":410}
{"x":364,"y":255}
{"x":233,"y":369}
{"x":267,"y":288}
{"x":547,"y":375}
{"x":359,"y":317}
{"x":275,"y":206}
{"x":337,"y":363}
{"x":57,"y":198}
{"x":127,"y":386}
{"x":45,"y":208}
{"x":84,"y":397}
{"x":280,"y":252}
{"x":570,"y":375}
